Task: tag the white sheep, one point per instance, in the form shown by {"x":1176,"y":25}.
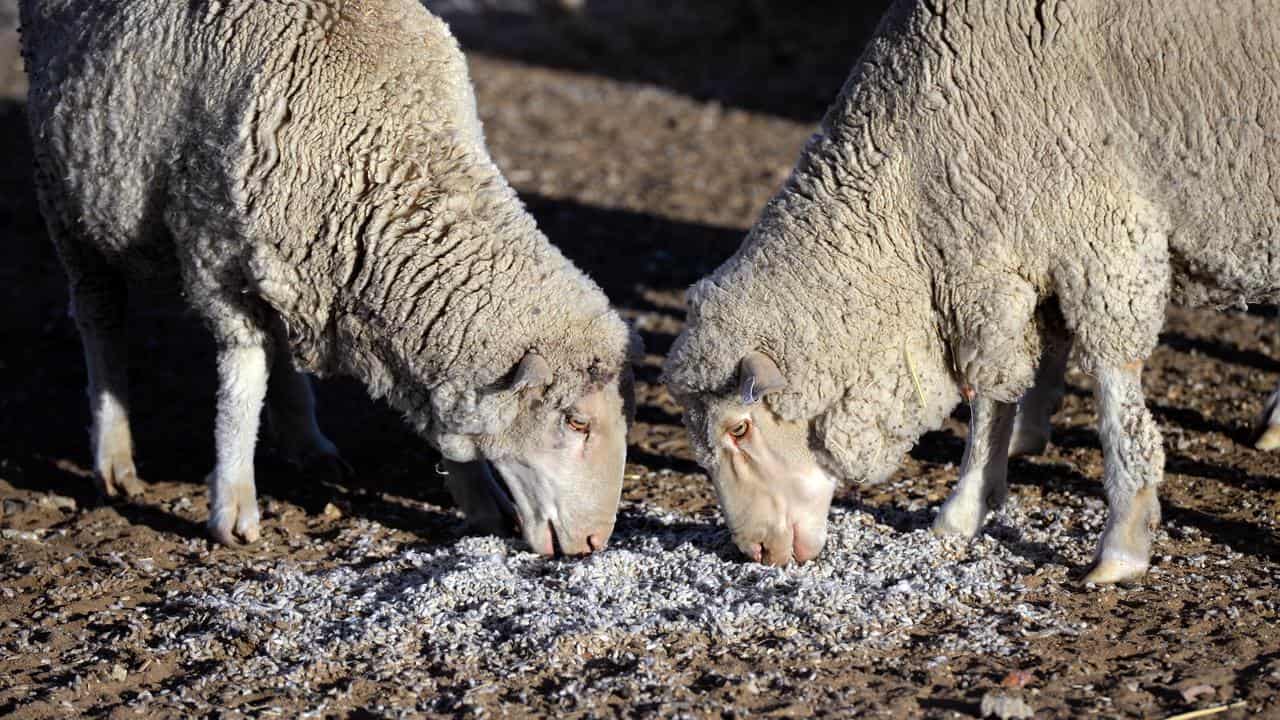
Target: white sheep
{"x":316,"y":172}
{"x":997,"y":181}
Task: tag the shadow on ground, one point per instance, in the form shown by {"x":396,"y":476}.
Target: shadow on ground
{"x":786,"y":59}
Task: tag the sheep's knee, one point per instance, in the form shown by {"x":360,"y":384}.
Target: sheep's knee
{"x":291,"y":420}
{"x":1030,"y":436}
{"x":479,"y":498}
{"x":1032,"y":428}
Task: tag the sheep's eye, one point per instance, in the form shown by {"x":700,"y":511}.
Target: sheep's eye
{"x":740,"y":430}
{"x":578,"y":423}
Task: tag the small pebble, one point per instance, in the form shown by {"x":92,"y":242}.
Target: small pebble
{"x":1005,"y":707}
{"x":61,"y":502}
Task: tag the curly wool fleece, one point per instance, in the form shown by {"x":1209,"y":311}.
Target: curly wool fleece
{"x":995,"y":176}
{"x":323,"y":162}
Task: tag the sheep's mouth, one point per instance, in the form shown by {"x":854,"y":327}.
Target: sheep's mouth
{"x":518,"y":491}
{"x":501,"y":493}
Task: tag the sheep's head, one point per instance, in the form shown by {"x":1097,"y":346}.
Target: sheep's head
{"x":543,"y":455}
{"x":774,"y":493}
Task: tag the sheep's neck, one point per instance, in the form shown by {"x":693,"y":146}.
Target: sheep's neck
{"x":850,"y":215}
{"x":454,"y":287}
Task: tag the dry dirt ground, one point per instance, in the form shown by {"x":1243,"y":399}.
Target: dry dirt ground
{"x":644,"y":142}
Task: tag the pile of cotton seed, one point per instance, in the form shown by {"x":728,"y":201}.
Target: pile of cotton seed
{"x":486,"y":606}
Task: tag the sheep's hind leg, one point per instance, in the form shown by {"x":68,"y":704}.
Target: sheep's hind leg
{"x":983,"y":482}
{"x":291,"y":418}
{"x":242,"y":386}
{"x":98,"y":300}
{"x":1134,"y":465}
{"x":1031,"y":429}
{"x":1268,"y":424}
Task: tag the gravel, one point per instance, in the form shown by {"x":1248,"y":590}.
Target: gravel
{"x":645,"y":144}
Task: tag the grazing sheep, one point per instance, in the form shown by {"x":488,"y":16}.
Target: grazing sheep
{"x":998,"y":181}
{"x":316,"y":173}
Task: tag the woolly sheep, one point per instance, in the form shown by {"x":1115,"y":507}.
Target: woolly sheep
{"x":316,"y":173}
{"x":998,"y":181}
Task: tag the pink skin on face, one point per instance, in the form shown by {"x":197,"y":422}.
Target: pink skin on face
{"x":774,"y":495}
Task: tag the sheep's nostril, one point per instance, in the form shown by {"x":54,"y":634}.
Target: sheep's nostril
{"x":802,"y":551}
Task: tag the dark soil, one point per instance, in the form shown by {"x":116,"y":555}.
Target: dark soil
{"x":645,"y":145}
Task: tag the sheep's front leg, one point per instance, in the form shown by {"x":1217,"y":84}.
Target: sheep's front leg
{"x":1032,"y":428}
{"x":1133,"y":467}
{"x":983,"y":482}
{"x":291,"y":418}
{"x":480,"y":498}
{"x":242,"y":385}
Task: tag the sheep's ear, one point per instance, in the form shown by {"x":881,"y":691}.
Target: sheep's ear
{"x":533,"y":372}
{"x":758,"y":376}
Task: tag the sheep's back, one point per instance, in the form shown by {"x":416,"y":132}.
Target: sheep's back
{"x":1195,"y":92}
{"x":264,"y":118}
{"x":103,"y":89}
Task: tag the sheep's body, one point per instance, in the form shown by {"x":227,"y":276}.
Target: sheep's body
{"x":996,"y":175}
{"x":317,"y":172}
